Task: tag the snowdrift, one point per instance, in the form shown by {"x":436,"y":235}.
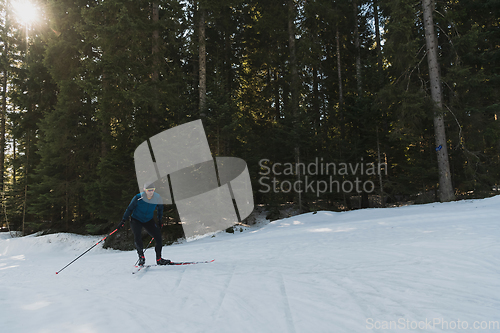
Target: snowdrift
{"x":433,"y":267}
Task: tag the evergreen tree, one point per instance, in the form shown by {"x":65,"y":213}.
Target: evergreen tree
{"x":446,"y":192}
{"x":470,"y":38}
{"x":67,"y":132}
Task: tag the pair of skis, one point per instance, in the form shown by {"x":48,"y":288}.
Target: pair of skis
{"x":137,"y":268}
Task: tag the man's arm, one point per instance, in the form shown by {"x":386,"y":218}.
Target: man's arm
{"x":131,"y":207}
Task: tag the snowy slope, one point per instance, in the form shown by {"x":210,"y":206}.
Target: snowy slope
{"x":428,"y":268}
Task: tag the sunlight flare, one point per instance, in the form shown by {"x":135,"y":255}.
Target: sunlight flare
{"x":26,"y":11}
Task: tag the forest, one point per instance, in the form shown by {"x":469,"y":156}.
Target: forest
{"x":333,"y":104}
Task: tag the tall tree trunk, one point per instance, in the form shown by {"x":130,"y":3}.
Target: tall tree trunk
{"x":315,"y":104}
{"x":358,"y":51}
{"x":5,"y":214}
{"x":14,"y":157}
{"x":2,"y":126}
{"x":156,"y":63}
{"x":293,"y":61}
{"x":202,"y":59}
{"x":277,"y":106}
{"x":4,"y":100}
{"x":66,"y":201}
{"x":25,"y":203}
{"x":294,"y":90}
{"x":105,"y":121}
{"x":446,"y":192}
{"x":381,"y":183}
{"x":377,"y":40}
{"x":341,"y":93}
{"x":156,"y":37}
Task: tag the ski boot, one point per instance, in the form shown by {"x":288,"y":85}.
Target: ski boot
{"x":162,"y":261}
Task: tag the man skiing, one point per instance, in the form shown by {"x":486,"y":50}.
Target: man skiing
{"x":141,"y":210}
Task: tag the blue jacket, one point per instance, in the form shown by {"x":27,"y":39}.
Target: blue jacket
{"x":142,"y":209}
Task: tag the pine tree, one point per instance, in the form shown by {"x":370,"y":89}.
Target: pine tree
{"x":67,"y":132}
{"x":446,"y":192}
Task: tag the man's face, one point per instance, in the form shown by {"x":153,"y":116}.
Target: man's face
{"x":149,"y":192}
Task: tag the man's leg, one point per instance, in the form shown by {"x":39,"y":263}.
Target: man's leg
{"x":136,"y":227}
{"x":154,"y":232}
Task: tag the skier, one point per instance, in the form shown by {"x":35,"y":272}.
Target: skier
{"x":141,"y":210}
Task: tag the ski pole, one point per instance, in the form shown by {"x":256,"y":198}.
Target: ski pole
{"x":112,"y":232}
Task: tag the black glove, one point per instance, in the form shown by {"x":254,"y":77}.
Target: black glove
{"x":120,"y":225}
{"x":160,"y":223}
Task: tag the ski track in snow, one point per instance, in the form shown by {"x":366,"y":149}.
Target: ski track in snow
{"x":324,"y":272}
{"x":286,"y":306}
{"x":223,"y":293}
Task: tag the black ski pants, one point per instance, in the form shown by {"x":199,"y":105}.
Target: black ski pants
{"x":152,"y":229}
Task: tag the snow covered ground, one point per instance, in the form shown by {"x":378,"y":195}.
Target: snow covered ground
{"x":427,"y":268}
